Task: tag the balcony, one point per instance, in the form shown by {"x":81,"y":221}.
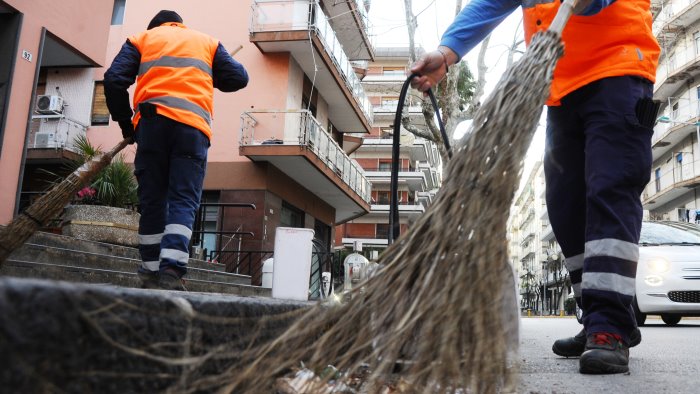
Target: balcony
{"x":418,"y":150}
{"x":52,"y":138}
{"x":672,"y":183}
{"x":672,"y":17}
{"x":407,"y":210}
{"x":548,"y":234}
{"x":431,"y":175}
{"x":301,"y":28}
{"x":681,"y":58}
{"x":413,"y":179}
{"x":296,"y":144}
{"x":349,"y":18}
{"x":676,"y":123}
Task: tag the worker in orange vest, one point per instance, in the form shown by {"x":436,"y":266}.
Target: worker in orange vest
{"x":176,"y":70}
{"x":597,"y":154}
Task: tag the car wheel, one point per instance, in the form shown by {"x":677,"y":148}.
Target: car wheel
{"x":671,"y":320}
{"x":638,"y":315}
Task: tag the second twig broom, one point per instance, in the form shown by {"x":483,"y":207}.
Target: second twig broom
{"x":49,"y":205}
{"x":443,"y":307}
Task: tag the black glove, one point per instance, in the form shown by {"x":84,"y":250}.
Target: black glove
{"x":127,"y":129}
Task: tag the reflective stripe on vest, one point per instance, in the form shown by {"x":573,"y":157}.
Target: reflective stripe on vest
{"x":176,"y":74}
{"x":176,"y":102}
{"x":177,"y":62}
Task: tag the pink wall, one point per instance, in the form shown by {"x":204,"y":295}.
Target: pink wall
{"x":227,"y":21}
{"x":84,"y":25}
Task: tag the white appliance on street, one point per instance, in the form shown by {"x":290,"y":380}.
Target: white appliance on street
{"x":292,"y":263}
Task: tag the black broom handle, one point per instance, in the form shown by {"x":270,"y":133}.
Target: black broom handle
{"x":394,"y":226}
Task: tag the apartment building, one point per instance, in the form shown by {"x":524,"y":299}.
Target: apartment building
{"x":672,"y":193}
{"x":281,"y":144}
{"x":419,"y":173}
{"x":535,"y":253}
{"x":69,"y":39}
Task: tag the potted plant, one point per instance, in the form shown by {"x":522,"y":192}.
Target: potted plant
{"x":104,"y":210}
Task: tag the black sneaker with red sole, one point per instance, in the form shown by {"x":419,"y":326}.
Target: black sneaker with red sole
{"x":576,"y":345}
{"x":605,"y":354}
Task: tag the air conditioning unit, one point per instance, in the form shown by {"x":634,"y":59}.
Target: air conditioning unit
{"x":45,"y":140}
{"x":49,"y":104}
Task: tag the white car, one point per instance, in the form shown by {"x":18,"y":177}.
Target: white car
{"x":668,"y":273}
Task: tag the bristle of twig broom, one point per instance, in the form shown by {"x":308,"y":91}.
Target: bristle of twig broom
{"x":49,"y":205}
{"x":442,"y":307}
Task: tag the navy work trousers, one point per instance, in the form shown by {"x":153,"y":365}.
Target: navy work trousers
{"x":170,"y":163}
{"x":597,"y":163}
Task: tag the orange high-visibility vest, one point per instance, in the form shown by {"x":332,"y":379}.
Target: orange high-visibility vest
{"x":176,"y":74}
{"x":615,"y":42}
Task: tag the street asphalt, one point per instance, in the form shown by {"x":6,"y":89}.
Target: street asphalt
{"x":667,"y":360}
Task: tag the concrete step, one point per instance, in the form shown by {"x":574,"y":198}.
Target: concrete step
{"x":65,"y":242}
{"x":81,"y":338}
{"x":38,"y":253}
{"x":197,"y":282}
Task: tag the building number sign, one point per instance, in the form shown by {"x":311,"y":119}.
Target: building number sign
{"x":26,"y":55}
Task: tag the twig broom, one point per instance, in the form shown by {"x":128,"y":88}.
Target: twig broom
{"x":49,"y":205}
{"x":443,"y":306}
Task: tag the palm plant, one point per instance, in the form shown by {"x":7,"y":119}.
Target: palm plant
{"x":114,"y":186}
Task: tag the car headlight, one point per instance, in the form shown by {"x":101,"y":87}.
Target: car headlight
{"x":658,"y":265}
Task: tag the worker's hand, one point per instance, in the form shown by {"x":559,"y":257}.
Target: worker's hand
{"x":432,"y":68}
{"x":127,"y":130}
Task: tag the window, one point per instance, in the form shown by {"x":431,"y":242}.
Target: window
{"x":696,"y":42}
{"x":382,"y":231}
{"x":100,"y":113}
{"x":657,"y":179}
{"x":118,"y":12}
{"x":384,"y":166}
{"x":383,"y":198}
{"x":291,"y":216}
{"x":674,"y":111}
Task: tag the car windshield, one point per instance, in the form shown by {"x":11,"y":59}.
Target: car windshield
{"x":666,"y":234}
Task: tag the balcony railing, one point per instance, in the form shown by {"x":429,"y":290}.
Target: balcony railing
{"x":55,"y":131}
{"x":670,"y":11}
{"x":681,"y":175}
{"x":300,"y":128}
{"x":685,"y":113}
{"x":307,"y":15}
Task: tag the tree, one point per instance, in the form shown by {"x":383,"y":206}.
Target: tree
{"x":458,"y":95}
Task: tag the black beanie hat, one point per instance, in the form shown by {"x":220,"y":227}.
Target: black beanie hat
{"x":164,"y":16}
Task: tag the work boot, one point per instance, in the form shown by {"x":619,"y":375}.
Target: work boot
{"x":575,"y":346}
{"x":605,"y":354}
{"x":171,"y":279}
{"x":149,"y":279}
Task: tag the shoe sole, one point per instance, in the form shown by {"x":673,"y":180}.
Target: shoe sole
{"x":561,"y":353}
{"x":598,"y":367}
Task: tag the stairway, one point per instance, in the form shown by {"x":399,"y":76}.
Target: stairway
{"x":58,"y":257}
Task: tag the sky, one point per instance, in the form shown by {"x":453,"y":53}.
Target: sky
{"x":434,"y":16}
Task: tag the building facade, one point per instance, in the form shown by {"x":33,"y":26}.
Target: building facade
{"x":419,"y":174}
{"x":544,"y":284}
{"x":672,"y":193}
{"x":281,"y":145}
{"x":70,"y":39}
